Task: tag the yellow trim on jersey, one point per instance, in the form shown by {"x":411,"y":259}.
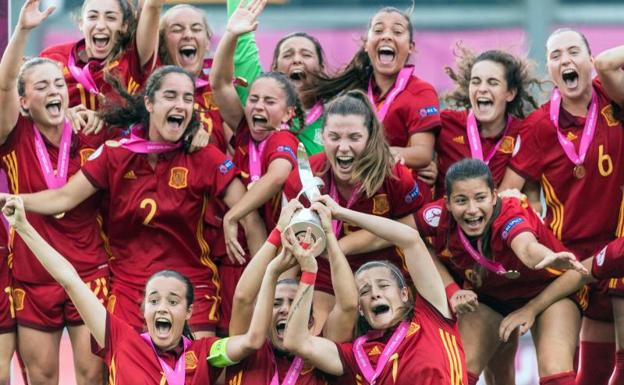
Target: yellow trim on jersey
{"x":105,"y":240}
{"x":112,"y":372}
{"x":10,"y":161}
{"x":555,"y":206}
{"x":237,"y":379}
{"x":452,"y":351}
{"x":619,"y":232}
{"x":204,"y":256}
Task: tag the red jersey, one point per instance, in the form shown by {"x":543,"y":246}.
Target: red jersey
{"x":76,"y":236}
{"x":508,"y":220}
{"x":398,"y":197}
{"x":571,"y":200}
{"x":452,"y":146}
{"x":132,"y":361}
{"x":209,"y":114}
{"x":126,"y":68}
{"x":259,"y":369}
{"x":156,"y":214}
{"x":430,"y":354}
{"x":279,"y":145}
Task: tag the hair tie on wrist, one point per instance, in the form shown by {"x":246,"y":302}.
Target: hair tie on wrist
{"x":308,"y":278}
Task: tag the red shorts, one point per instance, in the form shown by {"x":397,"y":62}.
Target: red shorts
{"x":47,"y":307}
{"x":7,"y":311}
{"x":507,"y":306}
{"x":229,"y":276}
{"x":125,"y":302}
{"x":599,"y":308}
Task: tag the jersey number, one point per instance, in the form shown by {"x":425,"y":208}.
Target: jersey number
{"x":152,"y":210}
{"x":605,"y":164}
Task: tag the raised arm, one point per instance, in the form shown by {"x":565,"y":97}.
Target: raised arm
{"x":88,"y":305}
{"x":147,"y":30}
{"x":609,"y":67}
{"x":343,"y":316}
{"x":363,"y":241}
{"x":419,"y":263}
{"x":222,"y":72}
{"x":246,"y":56}
{"x":30,"y":17}
{"x":55,"y":201}
{"x":320,"y":352}
{"x":240,"y":346}
{"x":249,"y":282}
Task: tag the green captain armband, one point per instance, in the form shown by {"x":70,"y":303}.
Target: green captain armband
{"x":218,"y":354}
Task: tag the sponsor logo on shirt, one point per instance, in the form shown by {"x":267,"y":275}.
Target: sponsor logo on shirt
{"x":375,"y":351}
{"x":130,"y":175}
{"x":414,"y":328}
{"x":226,"y":166}
{"x":178,"y":177}
{"x":380,"y":204}
{"x":571,"y":136}
{"x":459,"y":139}
{"x":288,"y":150}
{"x":429,"y":111}
{"x":601,"y":256}
{"x":96,"y":153}
{"x":432,"y":215}
{"x":510,"y":225}
{"x":413,"y":194}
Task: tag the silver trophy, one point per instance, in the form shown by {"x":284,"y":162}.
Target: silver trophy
{"x":306,"y":218}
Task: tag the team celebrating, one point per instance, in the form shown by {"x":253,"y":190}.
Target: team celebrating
{"x":152,"y":192}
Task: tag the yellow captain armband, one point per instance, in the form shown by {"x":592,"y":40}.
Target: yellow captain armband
{"x":218,"y":354}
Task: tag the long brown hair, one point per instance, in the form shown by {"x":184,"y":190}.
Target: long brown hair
{"x":375,"y":163}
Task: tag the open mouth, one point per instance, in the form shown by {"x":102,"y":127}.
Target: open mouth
{"x":280,"y":327}
{"x":53,"y":107}
{"x":474,"y":223}
{"x":344,"y":162}
{"x":188,"y":53}
{"x":297,"y":75}
{"x":381,"y":309}
{"x":260,"y":121}
{"x":570,"y":78}
{"x":386,"y":54}
{"x":176,"y":120}
{"x":162,"y":326}
{"x":100,"y":41}
{"x":484,"y":104}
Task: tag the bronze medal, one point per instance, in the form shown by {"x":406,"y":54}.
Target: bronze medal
{"x":512,"y":274}
{"x":579,"y":171}
{"x":59,"y":215}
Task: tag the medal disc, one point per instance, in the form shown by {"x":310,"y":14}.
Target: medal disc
{"x":579,"y":171}
{"x":512,"y":274}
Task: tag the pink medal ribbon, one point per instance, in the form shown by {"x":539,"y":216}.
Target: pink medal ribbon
{"x":255,"y":159}
{"x":393,"y":344}
{"x":59,"y":178}
{"x":82,"y":75}
{"x":199,"y":82}
{"x":492,"y":266}
{"x":176,"y":375}
{"x":291,"y":376}
{"x":476,"y":151}
{"x":139,"y":145}
{"x":399,"y":85}
{"x":333,"y":193}
{"x":588,"y":131}
{"x":315,"y":112}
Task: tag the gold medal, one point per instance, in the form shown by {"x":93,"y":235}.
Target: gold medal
{"x":59,"y":215}
{"x":579,"y":171}
{"x":512,"y":274}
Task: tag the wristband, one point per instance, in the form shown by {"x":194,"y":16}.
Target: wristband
{"x":308,"y":278}
{"x":275,"y":238}
{"x":451,"y":289}
{"x":218,"y":354}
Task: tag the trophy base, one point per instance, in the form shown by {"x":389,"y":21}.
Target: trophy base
{"x":306,"y":219}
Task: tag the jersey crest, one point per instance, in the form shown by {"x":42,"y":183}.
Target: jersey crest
{"x":609,"y":115}
{"x":178,"y":177}
{"x":508,"y":145}
{"x":190,"y":360}
{"x":380,"y":204}
{"x":85,"y":153}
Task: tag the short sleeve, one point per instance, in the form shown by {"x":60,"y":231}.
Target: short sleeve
{"x":292,"y":185}
{"x":525,"y":159}
{"x":281,"y":145}
{"x":407,"y":197}
{"x":428,"y":218}
{"x":219,"y":174}
{"x":97,"y":167}
{"x":349,"y":364}
{"x":116,"y":330}
{"x":513,"y":220}
{"x":424,"y":111}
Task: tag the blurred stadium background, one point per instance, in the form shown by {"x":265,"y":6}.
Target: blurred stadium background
{"x":518,"y":25}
